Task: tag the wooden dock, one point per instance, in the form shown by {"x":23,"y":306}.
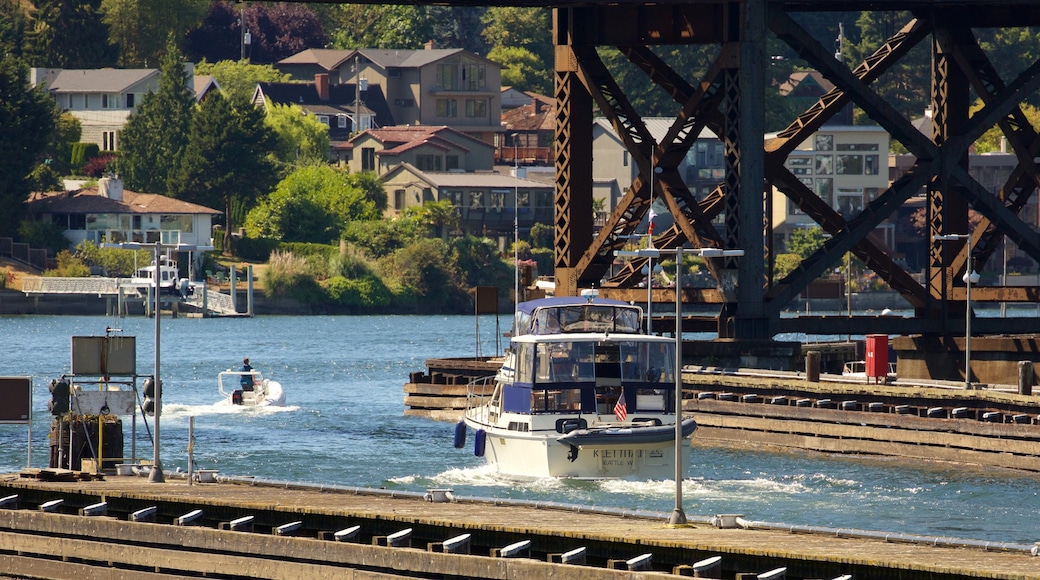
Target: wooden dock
{"x":124,"y":526}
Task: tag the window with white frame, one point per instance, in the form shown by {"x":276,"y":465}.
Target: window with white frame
{"x":341,"y":121}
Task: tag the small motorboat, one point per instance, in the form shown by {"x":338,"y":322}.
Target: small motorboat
{"x":235,"y":387}
{"x":144,"y":278}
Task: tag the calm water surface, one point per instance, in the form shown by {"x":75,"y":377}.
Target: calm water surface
{"x":345,"y":424}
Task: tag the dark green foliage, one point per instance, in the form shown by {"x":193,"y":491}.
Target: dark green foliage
{"x":59,"y":150}
{"x":360,"y":294}
{"x":27,"y":121}
{"x":154,"y":137}
{"x":226,"y":158}
{"x":256,"y":249}
{"x":69,"y":34}
{"x":81,"y":153}
{"x":427,"y":276}
{"x":41,"y":234}
{"x":479,"y":263}
{"x":542,"y":235}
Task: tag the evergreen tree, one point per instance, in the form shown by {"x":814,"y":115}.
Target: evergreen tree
{"x":27,"y":120}
{"x":138,"y":27}
{"x":69,"y":34}
{"x":153,"y":139}
{"x":226,"y":159}
{"x":458,"y":27}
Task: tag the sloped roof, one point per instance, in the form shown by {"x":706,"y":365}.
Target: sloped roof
{"x":89,"y":200}
{"x":330,"y":59}
{"x":203,"y":84}
{"x":398,"y":139}
{"x":326,"y":58}
{"x":102,"y":80}
{"x":341,"y":99}
{"x":441,"y":179}
{"x":538,"y":115}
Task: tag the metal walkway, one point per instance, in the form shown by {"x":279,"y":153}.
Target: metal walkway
{"x":214,"y":303}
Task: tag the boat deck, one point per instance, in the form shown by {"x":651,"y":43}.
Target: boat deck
{"x":207,"y":546}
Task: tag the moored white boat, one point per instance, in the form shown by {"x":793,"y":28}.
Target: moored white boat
{"x":582,"y":393}
{"x":144,"y":278}
{"x":263,"y":392}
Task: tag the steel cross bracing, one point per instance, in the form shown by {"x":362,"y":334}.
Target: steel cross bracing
{"x":713,"y":103}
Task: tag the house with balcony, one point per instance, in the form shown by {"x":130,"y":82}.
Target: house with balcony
{"x":486,"y":202}
{"x":530,"y":131}
{"x":426,"y":148}
{"x":431,"y":86}
{"x":107,"y":213}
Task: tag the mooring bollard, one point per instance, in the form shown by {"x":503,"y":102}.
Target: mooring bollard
{"x":1025,"y":377}
{"x":812,"y":366}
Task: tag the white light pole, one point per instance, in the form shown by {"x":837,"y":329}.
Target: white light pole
{"x":155,"y":475}
{"x":970,"y":277}
{"x":678,"y":515}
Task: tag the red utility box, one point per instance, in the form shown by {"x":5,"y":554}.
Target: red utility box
{"x":877,"y":356}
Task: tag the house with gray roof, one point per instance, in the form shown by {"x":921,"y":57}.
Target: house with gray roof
{"x":337,"y":106}
{"x":102,"y":99}
{"x":433,"y":86}
{"x":486,"y":202}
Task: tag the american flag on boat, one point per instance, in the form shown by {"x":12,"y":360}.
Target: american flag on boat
{"x":620,"y":408}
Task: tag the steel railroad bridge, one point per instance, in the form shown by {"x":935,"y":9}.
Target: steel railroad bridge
{"x":729,"y":100}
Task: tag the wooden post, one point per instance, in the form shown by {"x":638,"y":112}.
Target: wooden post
{"x":812,"y":366}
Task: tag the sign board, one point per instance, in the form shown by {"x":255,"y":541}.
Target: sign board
{"x":15,"y":399}
{"x":103,"y":356}
{"x":487,"y":299}
{"x":97,"y":402}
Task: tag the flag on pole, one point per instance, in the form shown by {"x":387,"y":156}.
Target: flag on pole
{"x":620,"y":408}
{"x":650,"y":226}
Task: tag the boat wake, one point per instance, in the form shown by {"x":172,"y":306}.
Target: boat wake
{"x":175,"y":411}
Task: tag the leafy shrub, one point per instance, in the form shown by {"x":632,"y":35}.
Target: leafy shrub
{"x":40,"y":234}
{"x":255,"y":249}
{"x":69,"y":266}
{"x":82,"y":153}
{"x":113,"y":262}
{"x":362,"y":293}
{"x":286,"y":276}
{"x":97,"y":166}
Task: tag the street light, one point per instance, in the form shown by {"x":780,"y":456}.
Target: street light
{"x":678,"y":515}
{"x":516,"y":222}
{"x":970,"y":277}
{"x":155,"y":475}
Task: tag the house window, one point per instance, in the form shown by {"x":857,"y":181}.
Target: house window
{"x":398,"y":199}
{"x":176,"y":223}
{"x":427,"y":194}
{"x":497,"y":199}
{"x":476,"y":199}
{"x":323,"y":119}
{"x":447,"y":76}
{"x":447,"y":108}
{"x":109,"y":101}
{"x":455,"y":197}
{"x":451,"y":162}
{"x":108,"y":140}
{"x":428,"y":162}
{"x":341,"y":121}
{"x":129,"y":100}
{"x":368,"y":159}
{"x":473,"y":77}
{"x":870,"y":166}
{"x":624,"y":158}
{"x":848,"y":164}
{"x":523,"y":198}
{"x":476,"y":108}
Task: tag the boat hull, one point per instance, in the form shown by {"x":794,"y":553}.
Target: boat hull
{"x":599,"y":456}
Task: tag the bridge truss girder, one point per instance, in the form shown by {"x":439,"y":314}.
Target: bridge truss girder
{"x":750,"y":300}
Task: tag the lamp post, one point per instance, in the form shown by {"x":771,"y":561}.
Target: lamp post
{"x":516,"y":222}
{"x":156,"y":473}
{"x":970,"y":277}
{"x":678,"y":515}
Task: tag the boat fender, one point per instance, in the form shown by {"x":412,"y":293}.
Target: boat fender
{"x":572,"y":455}
{"x":479,"y":440}
{"x":460,"y":435}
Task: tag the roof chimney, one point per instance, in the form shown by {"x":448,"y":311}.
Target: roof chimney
{"x":430,"y":45}
{"x":111,"y":187}
{"x":321,"y":83}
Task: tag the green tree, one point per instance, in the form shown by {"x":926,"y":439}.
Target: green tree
{"x":313,"y":204}
{"x":154,"y":137}
{"x":59,"y":151}
{"x":138,"y":27}
{"x":440,"y":216}
{"x":27,"y":121}
{"x":226,"y":159}
{"x":300,"y":139}
{"x":521,"y":40}
{"x":425,"y":273}
{"x":238,"y":79}
{"x":804,"y":241}
{"x":69,"y":34}
{"x":376,"y":26}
